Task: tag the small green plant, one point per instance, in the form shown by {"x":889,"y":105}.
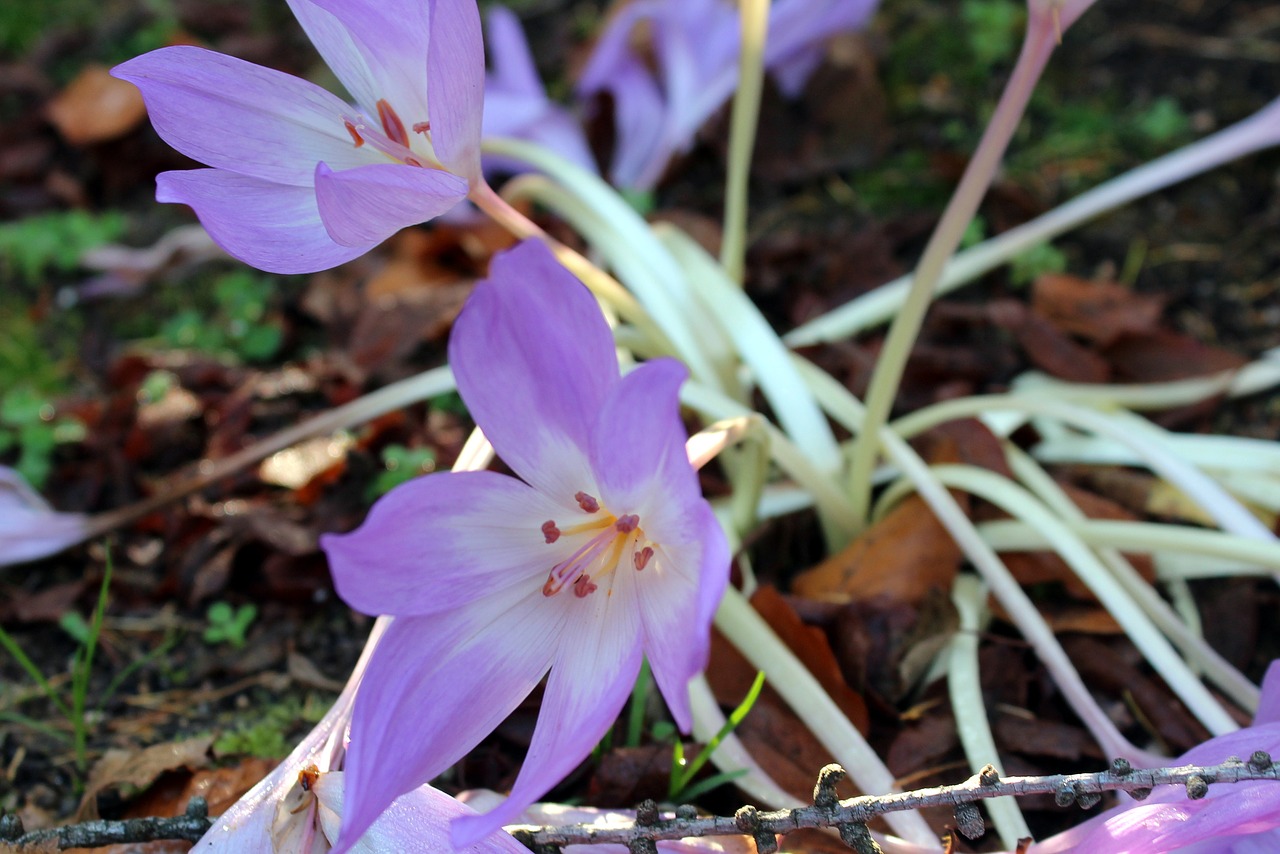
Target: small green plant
{"x":28,"y":425}
{"x":400,"y":465}
{"x":240,"y":325}
{"x":264,"y":740}
{"x":268,"y":737}
{"x":1036,"y":261}
{"x":53,"y":242}
{"x":73,"y":708}
{"x":679,"y":789}
{"x":228,"y":624}
{"x":993,"y":29}
{"x":1163,"y":122}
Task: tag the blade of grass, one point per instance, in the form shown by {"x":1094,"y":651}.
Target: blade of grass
{"x":682,"y":774}
{"x":11,"y":646}
{"x":635,"y":713}
{"x":83,"y":668}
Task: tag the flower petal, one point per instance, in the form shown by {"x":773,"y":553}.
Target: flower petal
{"x":455,"y":85}
{"x":1269,"y":704}
{"x":534,"y":361}
{"x":29,"y":528}
{"x":391,"y":37}
{"x":415,"y":821}
{"x":363,"y":207}
{"x":241,"y":117}
{"x":270,"y":226}
{"x":441,"y":541}
{"x":678,"y":594}
{"x":637,"y":448}
{"x":596,"y":664}
{"x":341,"y":52}
{"x":513,"y":69}
{"x":435,"y":687}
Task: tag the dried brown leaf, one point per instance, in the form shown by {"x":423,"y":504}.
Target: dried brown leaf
{"x":96,"y":107}
{"x":1046,"y":346}
{"x":140,"y":768}
{"x":810,"y":645}
{"x":1097,"y":311}
{"x":903,"y":556}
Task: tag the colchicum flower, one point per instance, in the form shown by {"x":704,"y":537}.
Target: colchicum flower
{"x":1238,"y":818}
{"x":301,"y":180}
{"x":603,"y":551}
{"x":695,"y":47}
{"x":517,"y":103}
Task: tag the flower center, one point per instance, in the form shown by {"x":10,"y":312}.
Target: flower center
{"x":393,"y":139}
{"x":610,"y":540}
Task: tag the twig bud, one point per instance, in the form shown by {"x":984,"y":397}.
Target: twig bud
{"x":1197,"y":787}
{"x":857,"y":837}
{"x":824,"y":793}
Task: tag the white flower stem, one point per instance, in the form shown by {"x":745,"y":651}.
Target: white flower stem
{"x":833,"y":508}
{"x":1021,"y":504}
{"x":846,"y":410}
{"x":758,"y":347}
{"x":1259,"y":375}
{"x":964,"y":683}
{"x":1197,"y":545}
{"x":1036,"y":49}
{"x":748,"y":631}
{"x":1141,"y":594}
{"x":655,"y":278}
{"x":1255,"y":133}
{"x":1150,"y":445}
{"x":604,"y":286}
{"x":742,"y":135}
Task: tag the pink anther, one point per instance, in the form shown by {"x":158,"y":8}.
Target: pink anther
{"x":586,"y":502}
{"x":641,"y":558}
{"x":355,"y":134}
{"x":627,"y":524}
{"x":550,"y":531}
{"x":391,"y":123}
{"x":422,"y":127}
{"x":582,"y":588}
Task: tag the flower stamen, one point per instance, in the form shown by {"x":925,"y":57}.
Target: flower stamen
{"x":355,"y":134}
{"x":391,"y":123}
{"x":615,"y":538}
{"x":641,"y":558}
{"x":550,"y":531}
{"x":586,"y":502}
{"x":391,"y":140}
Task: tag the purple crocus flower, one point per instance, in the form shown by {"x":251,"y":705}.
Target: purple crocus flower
{"x":1239,"y":818}
{"x":517,"y":103}
{"x":695,"y":45}
{"x":603,"y":551}
{"x":301,"y":180}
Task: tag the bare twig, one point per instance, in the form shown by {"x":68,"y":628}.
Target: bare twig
{"x":850,"y":817}
{"x":190,"y":826}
